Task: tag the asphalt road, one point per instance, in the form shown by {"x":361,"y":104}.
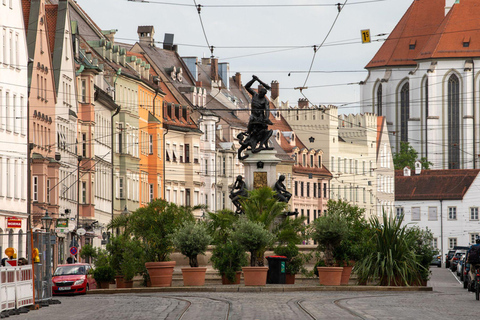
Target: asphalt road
{"x":448,"y":300}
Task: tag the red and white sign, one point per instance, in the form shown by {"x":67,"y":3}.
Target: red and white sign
{"x":14,"y":223}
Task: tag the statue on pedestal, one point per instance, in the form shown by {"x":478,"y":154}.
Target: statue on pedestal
{"x":239,"y":190}
{"x":257,"y":135}
{"x":282,"y":193}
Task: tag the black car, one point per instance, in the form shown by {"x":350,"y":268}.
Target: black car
{"x":449,"y":256}
{"x":436,"y":260}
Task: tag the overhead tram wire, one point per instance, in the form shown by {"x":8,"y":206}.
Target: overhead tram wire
{"x":254,"y":5}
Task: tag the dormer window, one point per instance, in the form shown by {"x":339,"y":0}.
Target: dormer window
{"x":466,"y":42}
{"x":304,"y":163}
{"x":412,"y":45}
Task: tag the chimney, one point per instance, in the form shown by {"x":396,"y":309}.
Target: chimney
{"x":214,"y":69}
{"x":205,"y":61}
{"x":238,"y":79}
{"x":145,"y":35}
{"x":110,"y":34}
{"x":449,"y":4}
{"x":418,"y":167}
{"x":302,"y":103}
{"x":406,"y":172}
{"x":275,"y":89}
{"x":168,"y":41}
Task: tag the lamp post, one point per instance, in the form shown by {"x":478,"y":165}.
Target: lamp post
{"x":79,"y":158}
{"x":46,"y":224}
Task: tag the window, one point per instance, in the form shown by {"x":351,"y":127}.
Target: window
{"x":308,"y":216}
{"x":48,"y":190}
{"x":84,"y":145}
{"x":206,"y":166}
{"x":435,"y":243}
{"x":432,"y":213}
{"x":84,"y":192}
{"x":224,"y":165}
{"x":121,"y":188}
{"x":379,"y":100}
{"x":415,"y":213}
{"x":150,"y":144}
{"x":151,"y":195}
{"x":453,"y":122}
{"x":83,"y":93}
{"x":301,"y":188}
{"x":223,"y":200}
{"x":311,"y":161}
{"x":296,"y":188}
{"x":7,"y":110}
{"x":404,"y":111}
{"x":120,"y":138}
{"x":474,"y":213}
{"x":187,"y":153}
{"x":473,"y":237}
{"x":35,"y":188}
{"x":308,"y":189}
{"x":187,"y":198}
{"x":333,"y":163}
{"x":452,"y":213}
{"x":400,"y":212}
{"x":314,"y":190}
{"x":7,"y":177}
{"x":452,"y":242}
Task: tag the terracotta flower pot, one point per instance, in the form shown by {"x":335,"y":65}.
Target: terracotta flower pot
{"x":347,"y":271}
{"x":160,"y":273}
{"x":237,"y":278}
{"x":103,"y":284}
{"x":330,"y":276}
{"x":289,"y":278}
{"x":255,"y":276}
{"x":128,"y":283}
{"x":194,"y":276}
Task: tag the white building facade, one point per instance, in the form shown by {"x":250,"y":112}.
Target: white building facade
{"x":13,"y":128}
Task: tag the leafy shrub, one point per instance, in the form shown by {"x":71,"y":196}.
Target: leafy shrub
{"x":252,"y":236}
{"x":228,"y":258}
{"x":104,"y":274}
{"x":295,"y":259}
{"x":192,"y":239}
{"x":329,"y":230}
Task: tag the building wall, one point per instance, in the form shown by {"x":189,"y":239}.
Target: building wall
{"x":207,"y":161}
{"x":13,"y":138}
{"x":446,"y":230}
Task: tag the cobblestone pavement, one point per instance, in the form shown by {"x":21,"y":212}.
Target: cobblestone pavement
{"x":448,"y":300}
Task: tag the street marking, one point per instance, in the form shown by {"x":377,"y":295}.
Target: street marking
{"x":455,"y":276}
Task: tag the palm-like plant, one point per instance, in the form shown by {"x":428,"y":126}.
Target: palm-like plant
{"x":391,"y":259}
{"x":219,"y":225}
{"x":262,"y":206}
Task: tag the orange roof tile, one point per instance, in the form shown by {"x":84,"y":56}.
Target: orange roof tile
{"x":51,"y":11}
{"x":410,"y":34}
{"x":459,"y":26}
{"x":26,"y":12}
{"x":449,"y":184}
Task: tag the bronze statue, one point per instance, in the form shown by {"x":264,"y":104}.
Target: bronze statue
{"x":257,"y":136}
{"x":282,"y":194}
{"x":239,"y":190}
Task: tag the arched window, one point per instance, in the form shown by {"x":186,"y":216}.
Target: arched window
{"x":379,"y":100}
{"x":453,"y":122}
{"x":404,"y":112}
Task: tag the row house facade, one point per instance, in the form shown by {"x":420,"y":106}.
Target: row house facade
{"x":13,"y":128}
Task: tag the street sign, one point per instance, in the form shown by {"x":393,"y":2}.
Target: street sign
{"x":366,"y":36}
{"x":81,"y":231}
{"x":73,"y":251}
{"x":14,"y":222}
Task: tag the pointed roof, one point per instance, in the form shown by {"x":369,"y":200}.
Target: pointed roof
{"x":410,"y":34}
{"x":460,"y":25}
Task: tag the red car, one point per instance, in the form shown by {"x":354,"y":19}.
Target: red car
{"x":72,"y":279}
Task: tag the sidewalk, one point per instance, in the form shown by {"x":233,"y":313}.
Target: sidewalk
{"x":267,"y":288}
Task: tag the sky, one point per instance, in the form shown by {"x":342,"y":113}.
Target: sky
{"x":272,"y":39}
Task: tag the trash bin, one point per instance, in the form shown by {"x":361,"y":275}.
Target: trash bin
{"x":276,"y":269}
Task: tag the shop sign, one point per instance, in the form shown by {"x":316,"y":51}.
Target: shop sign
{"x":62,"y":223}
{"x":14,"y":223}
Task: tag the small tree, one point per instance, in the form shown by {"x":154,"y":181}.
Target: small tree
{"x":228,"y":258}
{"x":407,"y":156}
{"x":192,"y":239}
{"x":253,"y":237}
{"x":329,"y":230}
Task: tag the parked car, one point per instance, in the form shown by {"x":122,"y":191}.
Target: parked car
{"x":456,"y":258}
{"x":449,"y":256}
{"x":72,"y":279}
{"x":436,"y":260}
{"x":460,"y":266}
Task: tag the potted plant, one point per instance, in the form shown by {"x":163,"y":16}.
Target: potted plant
{"x":229,"y":258}
{"x":329,"y":231}
{"x":254,"y":238}
{"x":192,"y":239}
{"x":390,"y":259}
{"x":153,"y":225}
{"x":103,"y":275}
{"x":295,"y":261}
